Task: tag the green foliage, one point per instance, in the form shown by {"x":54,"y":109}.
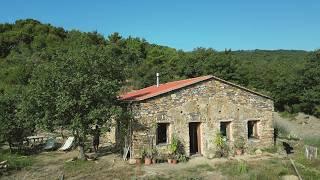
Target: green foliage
{"x":176,"y":150}
{"x":219,"y":140}
{"x":182,"y":158}
{"x":75,"y":91}
{"x":222,"y":148}
{"x":174,"y":145}
{"x":13,"y":128}
{"x":312,"y":141}
{"x":288,"y":115}
{"x":16,"y":161}
{"x":148,"y":152}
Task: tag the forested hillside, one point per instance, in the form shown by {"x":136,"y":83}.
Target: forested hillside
{"x":291,"y":77}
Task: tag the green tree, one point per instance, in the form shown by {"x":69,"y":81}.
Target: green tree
{"x":13,"y":129}
{"x":78,"y":89}
{"x":310,"y":85}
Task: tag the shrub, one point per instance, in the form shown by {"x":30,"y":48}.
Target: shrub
{"x":182,"y":158}
{"x":221,"y":145}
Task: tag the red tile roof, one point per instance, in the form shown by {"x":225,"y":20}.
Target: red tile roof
{"x":152,"y":91}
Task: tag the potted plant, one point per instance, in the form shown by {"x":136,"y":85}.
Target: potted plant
{"x":182,"y":157}
{"x":139,"y":159}
{"x":148,"y":156}
{"x":170,"y":158}
{"x":239,"y":145}
{"x":154,"y":154}
{"x":173,"y":147}
{"x":175,"y":159}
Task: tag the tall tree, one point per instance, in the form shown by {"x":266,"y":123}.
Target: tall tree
{"x":12,"y":128}
{"x":78,"y":89}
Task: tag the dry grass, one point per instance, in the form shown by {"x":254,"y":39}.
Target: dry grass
{"x":264,"y":169}
{"x":15,"y":160}
{"x":303,"y":126}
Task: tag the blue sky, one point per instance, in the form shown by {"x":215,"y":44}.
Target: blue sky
{"x":183,"y":24}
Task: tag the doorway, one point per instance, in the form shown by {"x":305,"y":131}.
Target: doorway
{"x":194,"y":135}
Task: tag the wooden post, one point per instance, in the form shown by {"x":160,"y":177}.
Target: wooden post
{"x":311,"y":152}
{"x":295,"y":168}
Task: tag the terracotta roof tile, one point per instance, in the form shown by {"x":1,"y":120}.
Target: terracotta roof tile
{"x":152,"y":91}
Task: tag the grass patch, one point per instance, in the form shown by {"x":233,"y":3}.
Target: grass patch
{"x":271,"y":149}
{"x":309,"y":169}
{"x":312,"y":141}
{"x":281,"y":129}
{"x":200,"y":168}
{"x":78,"y":166}
{"x":15,"y":160}
{"x":194,"y":173}
{"x":288,"y":115}
{"x":198,"y":172}
{"x":262,"y":170}
{"x":307,"y":172}
{"x":100,"y":170}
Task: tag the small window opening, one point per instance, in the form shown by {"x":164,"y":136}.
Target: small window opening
{"x":225,"y":130}
{"x":162,"y":133}
{"x":253,"y":130}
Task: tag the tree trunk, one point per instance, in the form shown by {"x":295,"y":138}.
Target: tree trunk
{"x":80,"y":142}
{"x":81,"y":152}
{"x":61,"y":131}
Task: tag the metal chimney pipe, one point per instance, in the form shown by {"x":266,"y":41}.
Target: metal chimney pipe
{"x":157,"y":79}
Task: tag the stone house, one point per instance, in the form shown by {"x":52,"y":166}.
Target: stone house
{"x":195,"y":110}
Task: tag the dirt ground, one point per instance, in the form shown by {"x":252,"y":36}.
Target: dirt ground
{"x":54,"y":165}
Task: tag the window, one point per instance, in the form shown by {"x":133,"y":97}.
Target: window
{"x":225,"y":129}
{"x":253,"y":130}
{"x":162,"y":133}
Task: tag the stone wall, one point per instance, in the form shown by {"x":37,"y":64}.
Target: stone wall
{"x":207,"y":102}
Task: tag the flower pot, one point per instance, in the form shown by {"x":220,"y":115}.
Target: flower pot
{"x":138,"y":161}
{"x":169,"y":161}
{"x":238,"y":152}
{"x":174,"y":161}
{"x":154,"y":161}
{"x":147,"y":161}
